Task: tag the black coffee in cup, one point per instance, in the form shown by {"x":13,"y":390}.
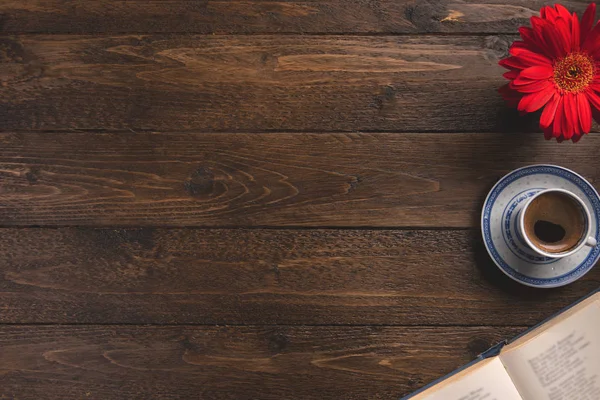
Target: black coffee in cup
{"x":554,"y":222}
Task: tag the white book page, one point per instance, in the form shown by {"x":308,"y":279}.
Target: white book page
{"x":487,"y":380}
{"x":562,"y":362}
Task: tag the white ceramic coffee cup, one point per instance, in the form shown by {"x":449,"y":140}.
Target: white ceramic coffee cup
{"x":586,"y":239}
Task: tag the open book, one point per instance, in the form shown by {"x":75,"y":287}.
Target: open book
{"x":557,"y":360}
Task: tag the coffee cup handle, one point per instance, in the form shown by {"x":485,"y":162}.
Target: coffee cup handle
{"x":592,"y":242}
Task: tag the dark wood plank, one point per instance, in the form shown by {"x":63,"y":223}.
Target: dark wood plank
{"x":232,"y":180}
{"x":257,"y":16}
{"x":264,"y":277}
{"x":253,"y":83}
{"x":117,"y":362}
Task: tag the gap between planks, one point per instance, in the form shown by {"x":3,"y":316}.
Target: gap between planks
{"x":45,"y":324}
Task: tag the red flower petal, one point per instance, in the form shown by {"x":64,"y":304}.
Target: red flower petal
{"x":595,"y":86}
{"x":537,"y":72}
{"x":526,"y":34}
{"x":530,"y":38}
{"x":549,"y":111}
{"x":522,"y":80}
{"x":572,"y":114}
{"x":529,"y":57}
{"x":542,"y":38}
{"x":534,"y":101}
{"x":587,"y":21}
{"x":564,"y":29}
{"x":595,"y":54}
{"x":558,"y":36}
{"x":534,"y":86}
{"x":522,"y":45}
{"x":567,"y":121}
{"x":519,"y":81}
{"x":512,"y":63}
{"x":548,"y":13}
{"x":563,"y":12}
{"x":510,"y":75}
{"x":558,"y":117}
{"x":585,"y":112}
{"x":576,"y":138}
{"x":592,"y":40}
{"x":575,"y":33}
{"x":594,"y":100}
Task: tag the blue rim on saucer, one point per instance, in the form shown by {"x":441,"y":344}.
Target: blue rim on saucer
{"x":503,"y":242}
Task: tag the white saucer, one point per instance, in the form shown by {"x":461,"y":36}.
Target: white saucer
{"x":503,"y":241}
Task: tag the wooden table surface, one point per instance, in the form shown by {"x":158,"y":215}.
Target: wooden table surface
{"x":257,"y":199}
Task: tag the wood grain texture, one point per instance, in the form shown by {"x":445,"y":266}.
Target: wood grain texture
{"x":118,"y":362}
{"x":264,"y":277}
{"x":257,"y":16}
{"x":233,"y":180}
{"x":253,"y":83}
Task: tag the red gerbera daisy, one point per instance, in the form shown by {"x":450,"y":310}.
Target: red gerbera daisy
{"x":556,"y":66}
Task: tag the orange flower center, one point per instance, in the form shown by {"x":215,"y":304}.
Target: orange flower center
{"x":574,"y":72}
